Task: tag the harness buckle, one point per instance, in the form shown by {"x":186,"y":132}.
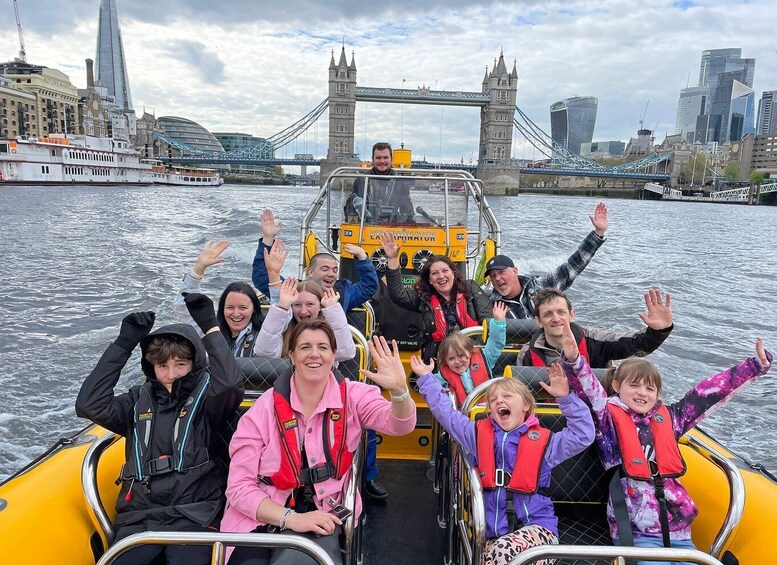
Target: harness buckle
{"x":502,"y":478}
{"x":320,"y":473}
{"x":161,"y":465}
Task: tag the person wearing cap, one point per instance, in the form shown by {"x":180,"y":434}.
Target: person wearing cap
{"x":518,"y":291}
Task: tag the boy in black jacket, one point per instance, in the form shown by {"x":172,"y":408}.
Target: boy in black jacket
{"x":172,"y":479}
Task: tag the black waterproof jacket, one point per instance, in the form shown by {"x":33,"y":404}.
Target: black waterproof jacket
{"x":196,"y":494}
{"x":479,"y":306}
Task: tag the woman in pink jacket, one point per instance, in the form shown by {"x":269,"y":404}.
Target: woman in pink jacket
{"x":291,"y":452}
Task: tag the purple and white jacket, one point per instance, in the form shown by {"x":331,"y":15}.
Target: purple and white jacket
{"x":641,"y":501}
{"x":530,"y":509}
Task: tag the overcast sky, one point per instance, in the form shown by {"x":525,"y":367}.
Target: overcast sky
{"x":258,"y":66}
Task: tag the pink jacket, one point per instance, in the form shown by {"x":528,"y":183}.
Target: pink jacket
{"x":255,"y":449}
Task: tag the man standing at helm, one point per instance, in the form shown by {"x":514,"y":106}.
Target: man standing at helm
{"x":387,"y":200}
{"x":518,"y":291}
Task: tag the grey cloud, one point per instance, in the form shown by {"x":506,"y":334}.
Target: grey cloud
{"x":197,"y":55}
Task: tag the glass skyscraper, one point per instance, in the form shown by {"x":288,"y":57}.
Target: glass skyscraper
{"x":109,"y":60}
{"x":572,"y":122}
{"x":692,"y":103}
{"x":726,"y":75}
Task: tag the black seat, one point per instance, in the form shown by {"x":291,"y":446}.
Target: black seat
{"x":260,"y":372}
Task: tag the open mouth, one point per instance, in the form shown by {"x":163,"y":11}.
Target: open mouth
{"x":503,"y":411}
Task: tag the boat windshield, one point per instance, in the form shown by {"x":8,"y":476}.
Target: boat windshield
{"x":405,"y":198}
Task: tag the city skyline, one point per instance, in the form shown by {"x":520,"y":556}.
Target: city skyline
{"x":256,"y":69}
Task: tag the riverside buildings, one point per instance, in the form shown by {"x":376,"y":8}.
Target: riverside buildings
{"x":724,"y":99}
{"x":572,"y":122}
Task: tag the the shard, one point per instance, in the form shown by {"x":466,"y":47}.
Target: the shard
{"x":109,"y":60}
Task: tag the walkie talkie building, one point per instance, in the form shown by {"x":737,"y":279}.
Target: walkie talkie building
{"x":109,"y":60}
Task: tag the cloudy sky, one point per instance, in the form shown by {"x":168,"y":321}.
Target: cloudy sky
{"x":258,"y":66}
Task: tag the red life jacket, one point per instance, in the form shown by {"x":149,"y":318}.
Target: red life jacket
{"x":334,"y":430}
{"x":478,"y":370}
{"x":537,"y":355}
{"x":440,"y":325}
{"x":668,"y":458}
{"x":528,"y":458}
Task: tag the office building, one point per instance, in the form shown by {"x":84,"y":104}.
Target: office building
{"x":187,"y":132}
{"x":602,"y":149}
{"x":56,"y":99}
{"x":572,"y":122}
{"x":727,"y":76}
{"x":767,"y":121}
{"x":692,"y":103}
{"x":109,"y":61}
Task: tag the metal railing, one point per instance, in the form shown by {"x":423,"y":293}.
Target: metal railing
{"x":474,"y":188}
{"x":219,"y":541}
{"x":618,"y":553}
{"x":96,"y":509}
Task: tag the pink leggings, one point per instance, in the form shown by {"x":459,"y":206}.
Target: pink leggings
{"x":504,"y":549}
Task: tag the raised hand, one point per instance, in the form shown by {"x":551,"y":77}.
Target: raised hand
{"x":571,"y":351}
{"x":390,"y":245}
{"x":134,"y":327}
{"x":270,"y":228}
{"x":288,"y":293}
{"x":317,"y":522}
{"x":356,"y":251}
{"x":276,"y":257}
{"x":391,"y":373}
{"x":659,"y":312}
{"x":499,"y":310}
{"x":559,"y":386}
{"x":330,"y":298}
{"x":201,"y":310}
{"x":760,"y":352}
{"x":599,"y":219}
{"x":419,"y":367}
{"x":210,"y":255}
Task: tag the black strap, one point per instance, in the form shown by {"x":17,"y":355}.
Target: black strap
{"x":618,"y":500}
{"x":663,"y":515}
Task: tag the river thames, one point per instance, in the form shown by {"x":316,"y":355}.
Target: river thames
{"x":76,"y":259}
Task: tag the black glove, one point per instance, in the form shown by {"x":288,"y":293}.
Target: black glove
{"x":134,"y":327}
{"x":201,"y":309}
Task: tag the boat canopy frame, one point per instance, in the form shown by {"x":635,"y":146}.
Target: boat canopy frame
{"x":473,"y":189}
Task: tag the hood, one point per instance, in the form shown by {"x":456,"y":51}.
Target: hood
{"x":186,"y":331}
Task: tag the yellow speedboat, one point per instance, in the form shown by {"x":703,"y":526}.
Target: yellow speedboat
{"x":59,"y":508}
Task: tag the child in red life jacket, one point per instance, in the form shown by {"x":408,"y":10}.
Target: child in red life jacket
{"x":637,"y":432}
{"x":514,"y":456}
{"x":462,"y":367}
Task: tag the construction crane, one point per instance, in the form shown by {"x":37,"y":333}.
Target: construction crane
{"x":22,"y":52}
{"x":642,"y":117}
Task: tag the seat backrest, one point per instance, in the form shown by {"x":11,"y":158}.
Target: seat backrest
{"x":520,"y":331}
{"x":533,"y":376}
{"x":581,"y":478}
{"x":362,"y":318}
{"x":260,"y":372}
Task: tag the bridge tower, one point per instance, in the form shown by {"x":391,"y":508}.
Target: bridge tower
{"x":495,"y":166}
{"x":342,"y":114}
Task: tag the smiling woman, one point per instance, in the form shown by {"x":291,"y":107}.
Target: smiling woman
{"x":447,"y":301}
{"x":239,"y":313}
{"x":311,"y":398}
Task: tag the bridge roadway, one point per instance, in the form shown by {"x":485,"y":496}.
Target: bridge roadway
{"x":422,"y":95}
{"x":220,"y":159}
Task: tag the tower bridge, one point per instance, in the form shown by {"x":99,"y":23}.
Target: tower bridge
{"x":499,"y":117}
